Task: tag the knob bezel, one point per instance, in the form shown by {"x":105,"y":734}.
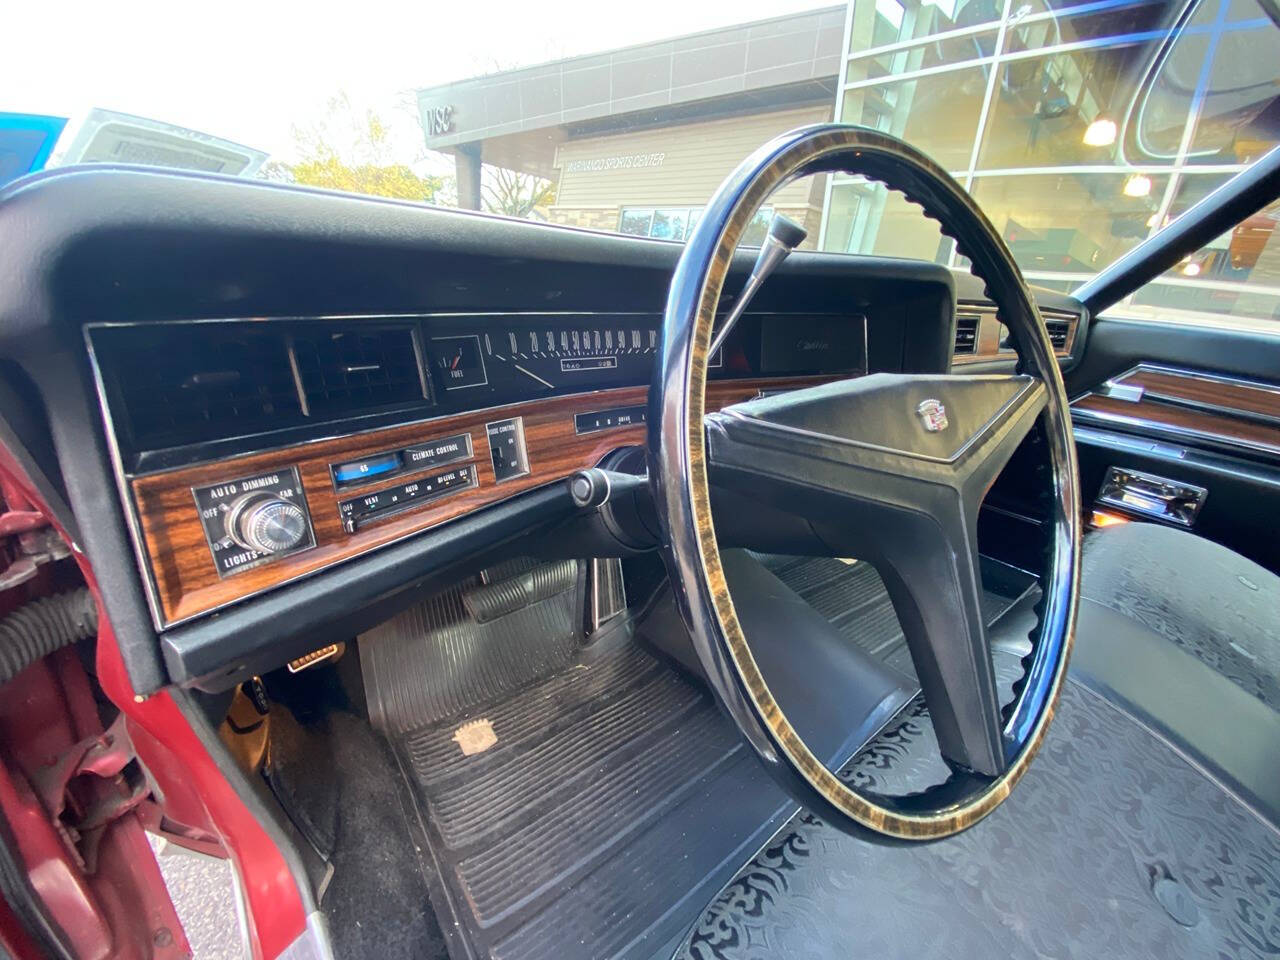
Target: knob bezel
{"x":230,"y":499}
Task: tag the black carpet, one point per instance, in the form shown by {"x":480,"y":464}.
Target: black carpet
{"x":339,"y":781}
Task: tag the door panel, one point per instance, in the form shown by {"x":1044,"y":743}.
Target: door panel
{"x":1116,"y":345}
{"x":1193,"y":404}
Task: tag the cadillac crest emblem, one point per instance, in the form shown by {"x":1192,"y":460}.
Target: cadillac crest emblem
{"x":933,"y":414}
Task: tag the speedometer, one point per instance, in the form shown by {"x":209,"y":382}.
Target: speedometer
{"x":573,"y":356}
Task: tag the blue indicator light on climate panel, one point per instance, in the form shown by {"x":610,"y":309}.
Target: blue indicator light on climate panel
{"x":359,"y":471}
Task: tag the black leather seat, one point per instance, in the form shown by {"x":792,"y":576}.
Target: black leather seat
{"x":1185,"y":634}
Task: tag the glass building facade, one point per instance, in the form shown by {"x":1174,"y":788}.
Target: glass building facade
{"x":1079,"y":127}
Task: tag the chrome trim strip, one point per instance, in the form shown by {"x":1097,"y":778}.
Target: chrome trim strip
{"x":242,"y":911}
{"x":1145,"y":365}
{"x":1122,"y":442}
{"x":372,"y":317}
{"x":1115,"y":387}
{"x":1205,"y":376}
{"x":303,"y":404}
{"x":313,"y":943}
{"x":342,"y":434}
{"x":345,"y":434}
{"x":1022,"y":517}
{"x":1217,"y":409}
{"x":597,"y":619}
{"x":420,"y":355}
{"x":1141,"y":423}
{"x":498,"y":315}
{"x":125,"y":494}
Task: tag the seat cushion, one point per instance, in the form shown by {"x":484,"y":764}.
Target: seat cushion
{"x":1220,"y":607}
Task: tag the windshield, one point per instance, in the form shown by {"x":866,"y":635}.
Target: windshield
{"x":1081,"y":128}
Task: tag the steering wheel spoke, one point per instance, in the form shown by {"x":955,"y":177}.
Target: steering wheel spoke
{"x":893,"y":469}
{"x":930,"y":568}
{"x":907,"y":442}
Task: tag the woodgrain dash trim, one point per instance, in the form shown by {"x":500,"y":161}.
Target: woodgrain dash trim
{"x":1192,"y":406}
{"x":187,"y":584}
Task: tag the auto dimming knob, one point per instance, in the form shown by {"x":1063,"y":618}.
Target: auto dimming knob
{"x":267,"y":524}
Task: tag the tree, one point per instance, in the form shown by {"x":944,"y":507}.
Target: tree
{"x":354,"y":152}
{"x":514,"y":193}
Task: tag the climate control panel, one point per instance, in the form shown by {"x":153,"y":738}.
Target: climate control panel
{"x":377,"y":506}
{"x":252,"y":520}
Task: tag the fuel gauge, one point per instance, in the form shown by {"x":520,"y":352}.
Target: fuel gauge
{"x":460,"y":362}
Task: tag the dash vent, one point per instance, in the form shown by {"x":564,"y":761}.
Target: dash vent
{"x":186,"y":383}
{"x":1059,"y":333}
{"x":966,"y":333}
{"x":344,"y":371}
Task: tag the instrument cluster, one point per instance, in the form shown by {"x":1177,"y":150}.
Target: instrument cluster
{"x":480,"y":361}
{"x":194,"y":391}
{"x":528,"y":358}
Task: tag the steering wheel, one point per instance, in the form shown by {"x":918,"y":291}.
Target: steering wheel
{"x":894,"y":466}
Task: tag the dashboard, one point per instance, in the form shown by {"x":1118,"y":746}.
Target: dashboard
{"x":253,"y":452}
{"x":271,"y":417}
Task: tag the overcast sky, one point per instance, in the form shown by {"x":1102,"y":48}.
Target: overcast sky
{"x":250,"y":71}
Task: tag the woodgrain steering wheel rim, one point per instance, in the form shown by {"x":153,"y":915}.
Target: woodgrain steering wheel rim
{"x":678,"y":468}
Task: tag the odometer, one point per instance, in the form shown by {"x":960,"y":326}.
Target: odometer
{"x":572,"y":364}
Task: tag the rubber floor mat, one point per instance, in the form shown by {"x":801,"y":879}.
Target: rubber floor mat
{"x":451,"y":653}
{"x":576,"y":802}
{"x":584,"y":816}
